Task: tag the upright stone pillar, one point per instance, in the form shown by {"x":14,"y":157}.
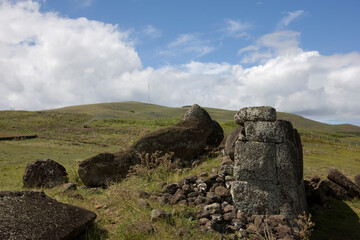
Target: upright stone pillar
{"x":268,"y":165}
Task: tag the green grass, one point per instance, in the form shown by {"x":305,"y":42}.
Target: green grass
{"x":69,"y":136}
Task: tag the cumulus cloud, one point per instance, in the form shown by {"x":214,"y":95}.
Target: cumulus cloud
{"x":289,"y":17}
{"x":48,"y":61}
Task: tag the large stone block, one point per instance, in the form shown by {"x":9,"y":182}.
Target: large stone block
{"x":263,"y":113}
{"x":255,"y":161}
{"x":289,"y":164}
{"x":272,"y":132}
{"x":255,"y":198}
{"x":292,"y":200}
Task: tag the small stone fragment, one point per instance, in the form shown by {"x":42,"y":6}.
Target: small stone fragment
{"x":68,"y":187}
{"x":213,"y":208}
{"x":158,"y":214}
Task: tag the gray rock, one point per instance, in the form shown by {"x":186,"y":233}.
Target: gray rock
{"x":331,"y":189}
{"x":263,"y":113}
{"x":170,"y":188}
{"x":268,"y":165}
{"x":337,"y":177}
{"x":214,"y":208}
{"x":226,"y":167}
{"x":178,"y":195}
{"x":143,"y":203}
{"x":255,"y":161}
{"x":68,"y":187}
{"x":229,"y":216}
{"x":106,"y":167}
{"x":216,"y":132}
{"x":217,"y":217}
{"x":216,"y":135}
{"x":255,"y":198}
{"x":237,"y":134}
{"x":186,"y":140}
{"x":159,"y":214}
{"x":222,"y":191}
{"x":199,"y":113}
{"x":33,"y":215}
{"x":213,"y":197}
{"x":289,"y":164}
{"x":292,"y":200}
{"x":142,"y":194}
{"x":44,"y":173}
{"x":230,"y":208}
{"x":271,"y":132}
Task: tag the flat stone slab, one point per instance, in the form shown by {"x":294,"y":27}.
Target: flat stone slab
{"x":34,"y":215}
{"x":255,"y":161}
{"x":263,"y":113}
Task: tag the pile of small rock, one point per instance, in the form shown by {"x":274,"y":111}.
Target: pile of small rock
{"x":210,"y":194}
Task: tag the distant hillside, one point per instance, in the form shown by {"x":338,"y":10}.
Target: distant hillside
{"x":137,"y":110}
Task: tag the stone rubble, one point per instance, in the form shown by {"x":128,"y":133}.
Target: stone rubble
{"x":216,"y":210}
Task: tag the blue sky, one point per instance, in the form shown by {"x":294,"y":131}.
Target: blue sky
{"x":298,"y":56}
{"x":327,"y":26}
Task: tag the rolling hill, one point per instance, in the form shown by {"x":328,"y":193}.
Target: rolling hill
{"x":145,"y":111}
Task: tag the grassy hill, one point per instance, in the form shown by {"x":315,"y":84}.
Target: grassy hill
{"x":145,"y":111}
{"x":115,"y":126}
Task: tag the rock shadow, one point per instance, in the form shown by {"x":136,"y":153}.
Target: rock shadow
{"x":94,"y":232}
{"x":339,"y":222}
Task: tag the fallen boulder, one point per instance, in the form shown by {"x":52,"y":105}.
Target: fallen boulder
{"x":186,"y":139}
{"x":340,"y":179}
{"x":330,"y":188}
{"x":34,"y":215}
{"x":44,"y":173}
{"x":106,"y":167}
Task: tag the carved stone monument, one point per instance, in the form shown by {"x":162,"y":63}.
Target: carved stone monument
{"x":268,"y":165}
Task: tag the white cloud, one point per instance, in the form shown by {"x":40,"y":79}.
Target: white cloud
{"x":283,"y":42}
{"x":47,"y":61}
{"x":152,"y":31}
{"x":188,"y":44}
{"x":83,"y":3}
{"x":235,"y":28}
{"x":290,"y":16}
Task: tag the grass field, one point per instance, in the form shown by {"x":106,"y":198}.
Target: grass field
{"x":71,"y":135}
